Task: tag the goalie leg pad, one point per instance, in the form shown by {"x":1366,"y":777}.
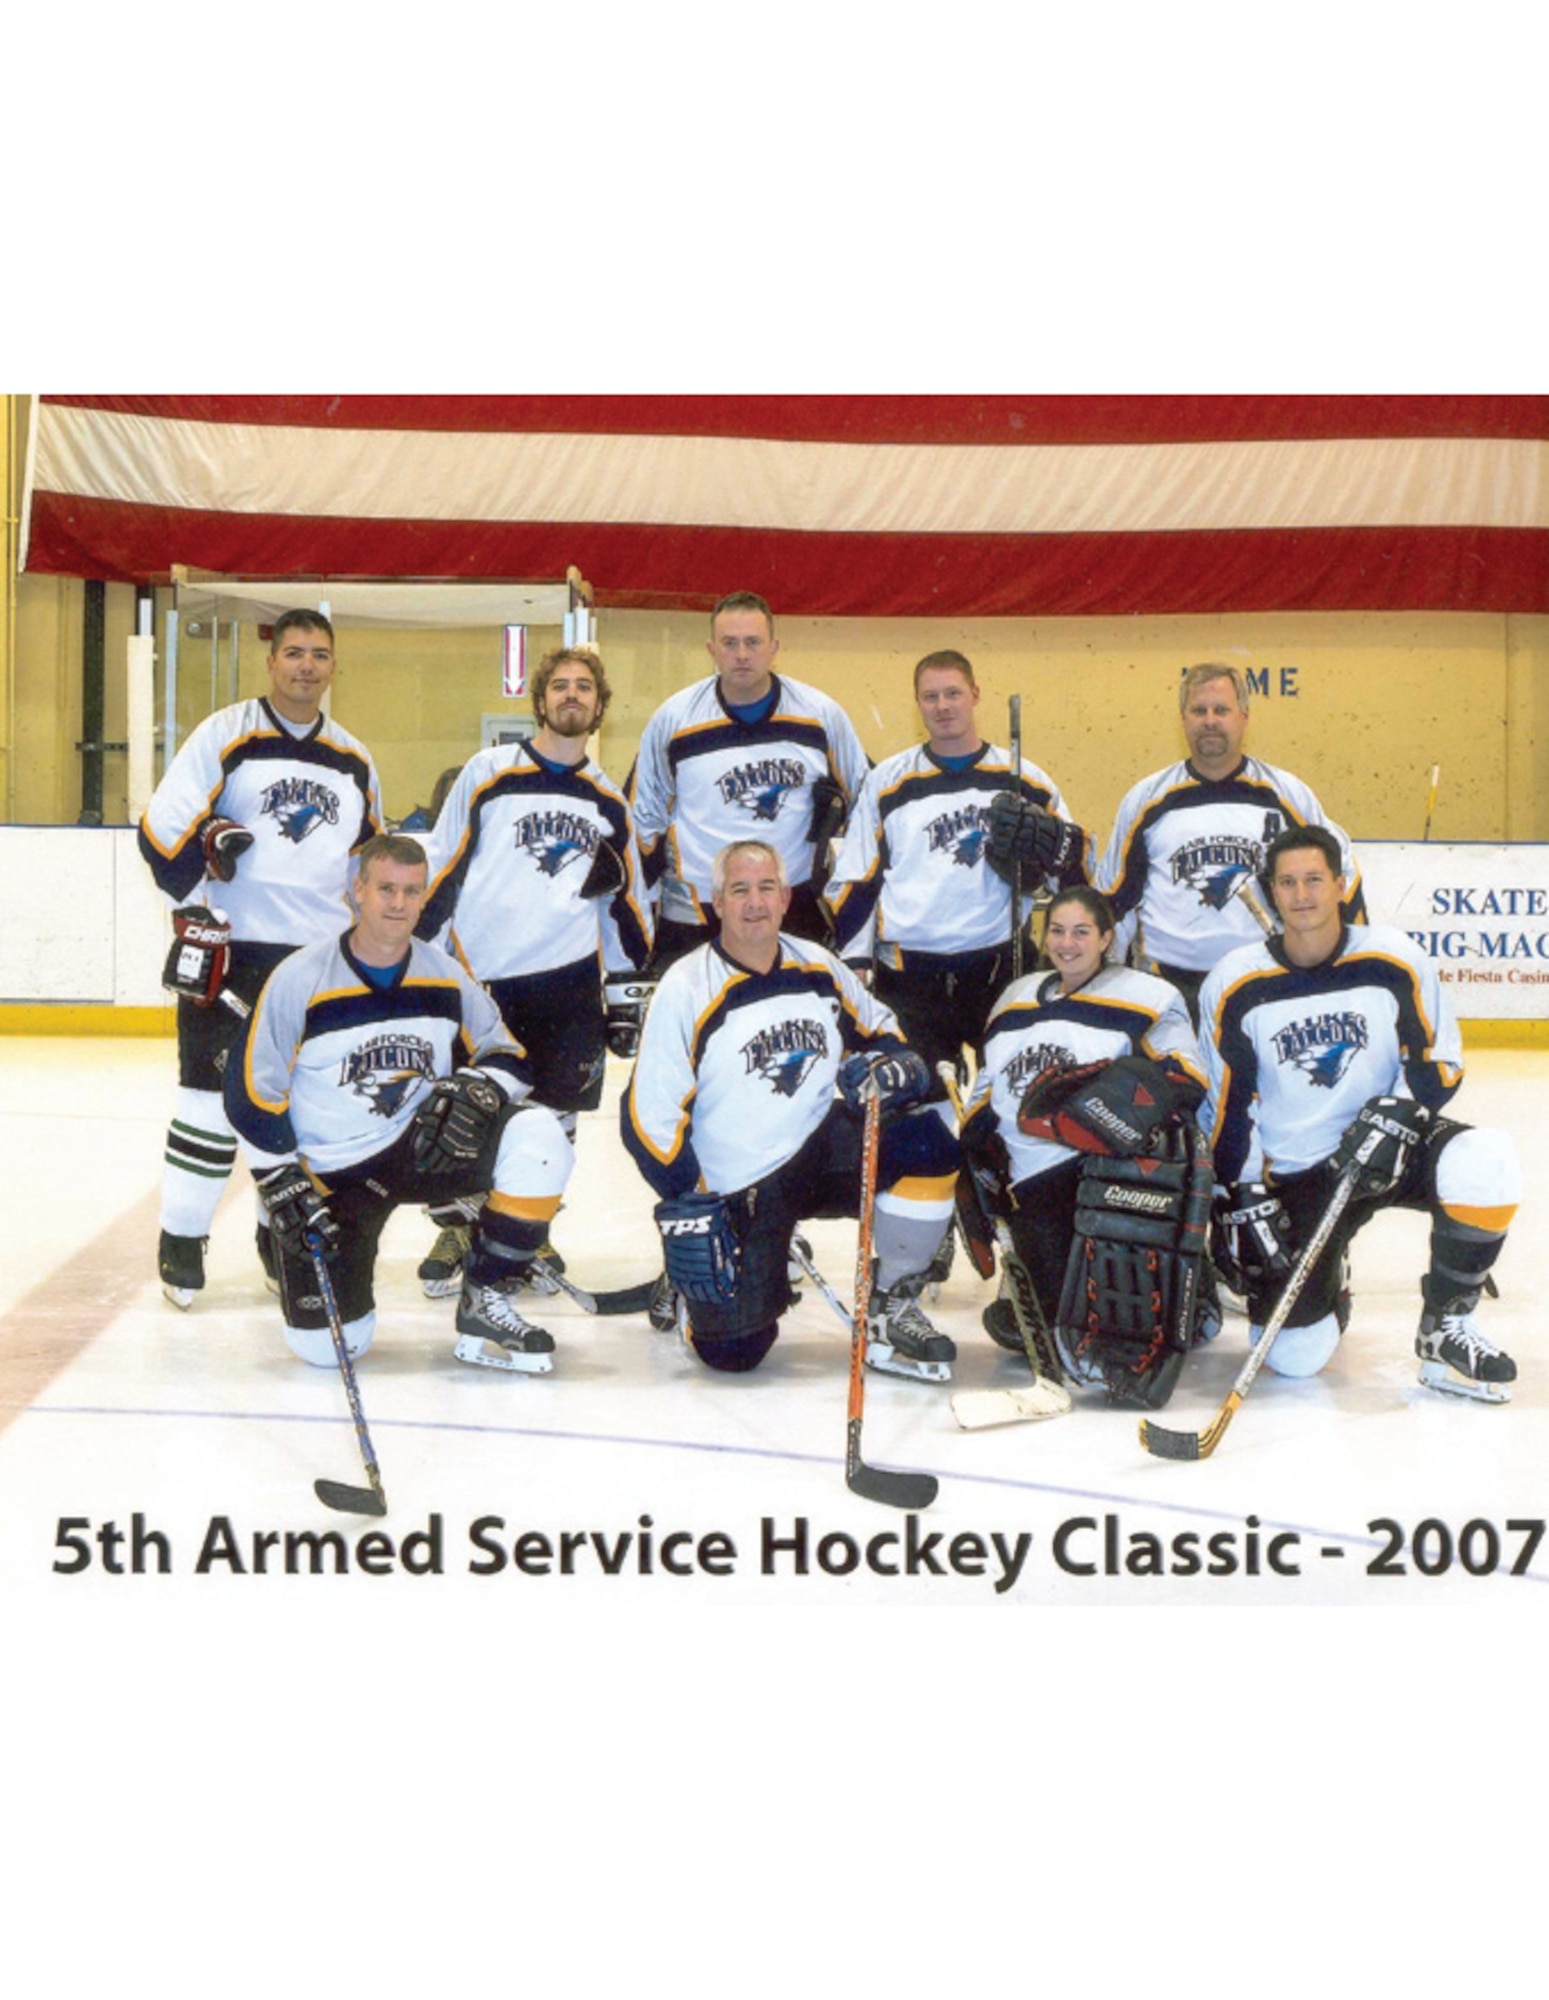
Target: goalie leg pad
{"x":1131,"y":1293}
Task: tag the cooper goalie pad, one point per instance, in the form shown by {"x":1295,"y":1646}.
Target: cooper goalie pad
{"x":1131,"y":1297}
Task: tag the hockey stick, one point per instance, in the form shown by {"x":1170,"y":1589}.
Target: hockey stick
{"x":346,"y":1499}
{"x":1430,"y":804}
{"x":1016,"y":865}
{"x":803,"y":1257}
{"x":911,"y":1490}
{"x":607,"y":1305}
{"x":966,"y":1206}
{"x":1191,"y":1444}
{"x":1248,"y":895}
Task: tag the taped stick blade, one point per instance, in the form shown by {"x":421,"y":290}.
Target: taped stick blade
{"x":349,"y":1499}
{"x":983,"y":1409}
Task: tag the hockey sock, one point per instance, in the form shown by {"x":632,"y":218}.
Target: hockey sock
{"x":1478,"y":1186}
{"x":201,"y":1152}
{"x":906,"y":1238}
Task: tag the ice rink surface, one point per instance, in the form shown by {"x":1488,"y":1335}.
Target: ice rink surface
{"x":676,"y":1486}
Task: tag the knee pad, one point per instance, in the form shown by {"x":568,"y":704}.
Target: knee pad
{"x":733,"y":1353}
{"x":1302,"y":1350}
{"x":1478,"y":1179}
{"x":315,"y":1343}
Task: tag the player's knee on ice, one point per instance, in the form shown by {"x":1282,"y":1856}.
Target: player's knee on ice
{"x":1301,"y":1350}
{"x":315,"y":1343}
{"x":733,"y":1353}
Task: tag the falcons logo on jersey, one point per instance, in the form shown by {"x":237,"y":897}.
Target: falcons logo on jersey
{"x":1214,"y":867}
{"x":762,"y":787}
{"x":1038,"y":1060}
{"x":301,"y":805}
{"x":556,"y":839}
{"x":784,"y":1056}
{"x":386,"y":1069}
{"x":1324,"y":1048}
{"x":963,"y":832}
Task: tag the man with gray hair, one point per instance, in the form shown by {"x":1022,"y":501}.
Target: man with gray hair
{"x":1187,"y":837}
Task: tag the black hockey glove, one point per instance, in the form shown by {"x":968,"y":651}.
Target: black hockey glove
{"x":830,"y":810}
{"x":452,"y":1125}
{"x":200,"y":957}
{"x":605,"y":877}
{"x":224,"y":844}
{"x":1251,"y":1238}
{"x":699,"y":1246}
{"x":298,"y":1212}
{"x":626,"y":997}
{"x":897,"y":1077}
{"x":1378,"y":1141}
{"x":1025,"y":839}
{"x":1116,"y":1107}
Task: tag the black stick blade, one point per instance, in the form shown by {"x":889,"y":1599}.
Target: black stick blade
{"x":1168,"y":1444}
{"x":349,"y":1499}
{"x":909,"y":1490}
{"x":632,"y":1299}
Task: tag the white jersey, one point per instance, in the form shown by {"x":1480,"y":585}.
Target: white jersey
{"x":1035,"y":1028}
{"x":911,"y":875}
{"x":509,"y":854}
{"x":703,"y":779}
{"x":1291,"y":1055}
{"x":736,"y":1068}
{"x":309,"y":799}
{"x":333,"y":1068}
{"x":1182,"y":845}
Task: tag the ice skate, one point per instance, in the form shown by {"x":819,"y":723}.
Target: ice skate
{"x":180,"y":1261}
{"x":1455,"y":1356}
{"x":491,"y":1333}
{"x":900,"y":1340}
{"x":666,"y":1311}
{"x":441,"y":1273}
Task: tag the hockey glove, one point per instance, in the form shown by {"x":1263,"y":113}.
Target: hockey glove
{"x":224,"y":844}
{"x":1251,"y":1238}
{"x":452,"y":1125}
{"x":1378,"y":1142}
{"x":200,"y":957}
{"x":830,"y":810}
{"x":699,"y":1246}
{"x":1117,"y":1107}
{"x":626,"y":997}
{"x":1025,"y":839}
{"x":298,"y":1213}
{"x":605,"y":877}
{"x":896,"y":1077}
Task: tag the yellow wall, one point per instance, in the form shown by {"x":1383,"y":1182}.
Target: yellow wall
{"x":1360,"y":705}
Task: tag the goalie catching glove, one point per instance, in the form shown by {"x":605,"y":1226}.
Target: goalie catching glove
{"x":224,"y":844}
{"x":298,"y":1212}
{"x":452,"y":1125}
{"x":699,"y":1246}
{"x":897,"y":1077}
{"x":1025,"y":840}
{"x":200,"y":957}
{"x":1378,"y":1141}
{"x":1110,"y":1107}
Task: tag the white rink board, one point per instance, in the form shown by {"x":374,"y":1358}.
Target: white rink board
{"x":1479,"y":909}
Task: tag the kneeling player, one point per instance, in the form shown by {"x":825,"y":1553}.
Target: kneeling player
{"x":1077,"y":1137}
{"x":731,"y":1116}
{"x":348,"y":1099}
{"x":1334,"y":1047}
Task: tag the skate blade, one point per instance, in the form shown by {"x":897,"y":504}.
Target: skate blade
{"x":482,"y":1353}
{"x":1437,"y":1375}
{"x":982,"y":1409}
{"x":887,"y":1361}
{"x":442,"y":1288}
{"x":176,"y":1295}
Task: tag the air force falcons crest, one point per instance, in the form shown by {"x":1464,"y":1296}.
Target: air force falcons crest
{"x":960,"y":833}
{"x":1214,"y":867}
{"x":1324,"y":1047}
{"x":301,"y":805}
{"x":784,"y":1056}
{"x":1038,"y":1060}
{"x":555,"y":839}
{"x":385,"y":1069}
{"x":762,"y":787}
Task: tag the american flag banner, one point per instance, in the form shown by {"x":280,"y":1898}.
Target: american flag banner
{"x":904,"y":506}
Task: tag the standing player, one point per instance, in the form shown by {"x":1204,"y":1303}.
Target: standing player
{"x":916,"y":889}
{"x":1187,"y":837}
{"x":259,"y":812}
{"x":375,"y":1071}
{"x":744,"y":753}
{"x":1334,"y":1045}
{"x":731,"y":1116}
{"x":534,"y":869}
